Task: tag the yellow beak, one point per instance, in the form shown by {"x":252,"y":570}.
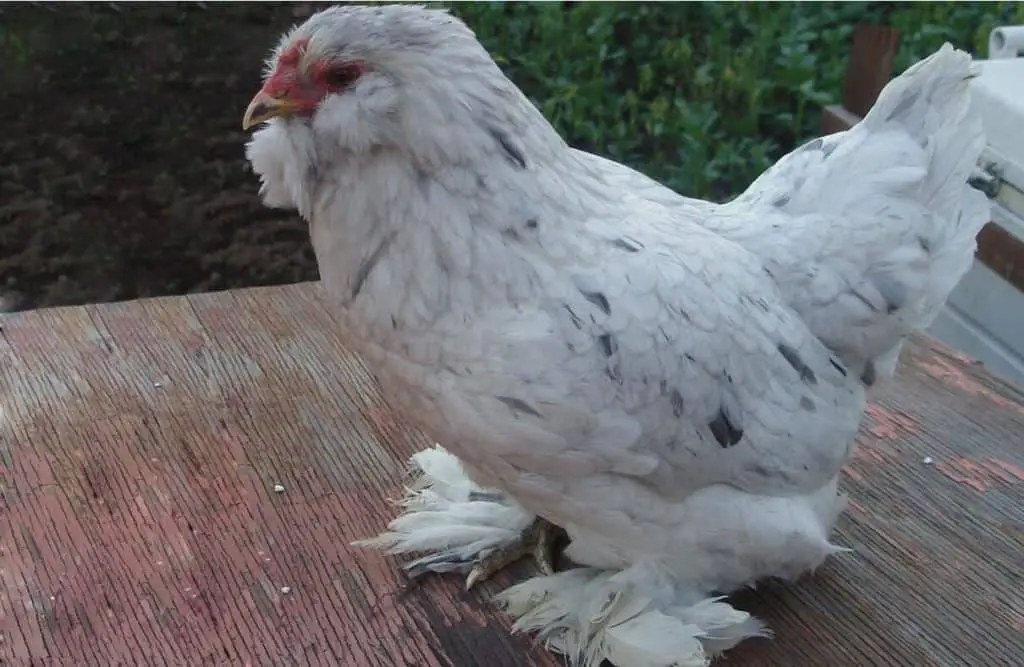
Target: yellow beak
{"x":264,"y":107}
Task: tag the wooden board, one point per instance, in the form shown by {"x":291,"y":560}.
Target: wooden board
{"x":140,"y":444}
{"x":872,"y":51}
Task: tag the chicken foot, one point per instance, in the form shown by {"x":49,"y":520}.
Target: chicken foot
{"x":541,"y":541}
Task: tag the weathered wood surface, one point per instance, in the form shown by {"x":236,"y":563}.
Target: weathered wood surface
{"x":141,"y":442}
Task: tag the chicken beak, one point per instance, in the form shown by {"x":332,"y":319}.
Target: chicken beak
{"x":266,"y":106}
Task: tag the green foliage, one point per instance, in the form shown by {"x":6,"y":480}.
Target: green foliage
{"x":703,"y":96}
{"x":121,"y":165}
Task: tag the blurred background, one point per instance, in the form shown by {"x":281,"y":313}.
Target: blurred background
{"x":122,"y":172}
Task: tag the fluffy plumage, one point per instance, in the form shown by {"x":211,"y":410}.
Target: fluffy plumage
{"x":674,"y":382}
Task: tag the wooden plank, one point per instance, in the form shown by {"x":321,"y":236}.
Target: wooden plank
{"x":1002,"y":252}
{"x":872,"y":53}
{"x":140,"y":444}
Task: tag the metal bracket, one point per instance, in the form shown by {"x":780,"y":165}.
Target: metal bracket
{"x":987,"y":178}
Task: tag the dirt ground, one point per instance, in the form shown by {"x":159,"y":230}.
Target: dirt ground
{"x":122,"y":171}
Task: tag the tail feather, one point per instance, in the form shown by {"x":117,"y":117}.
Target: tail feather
{"x":931,"y":102}
{"x":868,"y":231}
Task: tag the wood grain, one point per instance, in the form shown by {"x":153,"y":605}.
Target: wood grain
{"x":141,"y":442}
{"x":1002,"y":252}
{"x":872,"y":52}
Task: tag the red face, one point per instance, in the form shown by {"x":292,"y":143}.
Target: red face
{"x":292,"y":91}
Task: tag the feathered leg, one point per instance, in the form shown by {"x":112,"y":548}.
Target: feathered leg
{"x":538,"y":542}
{"x":462,"y":527}
{"x":665,"y":611}
{"x":634,"y":618}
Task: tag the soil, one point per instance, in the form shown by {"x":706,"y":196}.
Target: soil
{"x":122,"y":168}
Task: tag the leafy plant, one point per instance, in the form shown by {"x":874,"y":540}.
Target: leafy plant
{"x":703,"y":96}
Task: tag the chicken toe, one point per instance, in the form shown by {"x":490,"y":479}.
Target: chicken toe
{"x":539,"y":542}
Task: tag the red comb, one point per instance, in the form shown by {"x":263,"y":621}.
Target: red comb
{"x":290,"y":56}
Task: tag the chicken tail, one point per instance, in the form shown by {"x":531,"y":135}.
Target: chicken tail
{"x":880,"y":222}
{"x":930,"y":103}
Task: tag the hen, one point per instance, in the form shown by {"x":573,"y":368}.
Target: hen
{"x":674,"y":383}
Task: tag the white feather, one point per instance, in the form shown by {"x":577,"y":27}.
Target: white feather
{"x":441,"y":517}
{"x":633,"y":618}
{"x":885,"y":206}
{"x":635,"y":612}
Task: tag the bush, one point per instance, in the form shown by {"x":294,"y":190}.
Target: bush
{"x":703,"y":96}
{"x":121,"y":165}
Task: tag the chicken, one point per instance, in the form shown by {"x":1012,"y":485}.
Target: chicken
{"x":676,"y":384}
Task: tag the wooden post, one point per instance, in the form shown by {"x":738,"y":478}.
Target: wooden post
{"x":870,"y":68}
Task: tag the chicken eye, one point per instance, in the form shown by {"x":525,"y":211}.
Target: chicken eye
{"x":342,"y":76}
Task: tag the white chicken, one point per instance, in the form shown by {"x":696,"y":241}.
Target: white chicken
{"x":674,"y":383}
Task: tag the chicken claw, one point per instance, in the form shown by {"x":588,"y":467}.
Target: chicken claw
{"x":538,"y":542}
